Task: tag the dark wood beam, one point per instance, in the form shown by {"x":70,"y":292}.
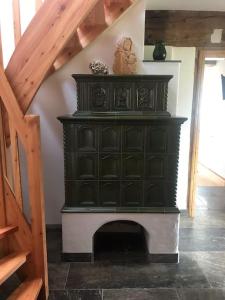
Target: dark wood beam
{"x":184,"y":28}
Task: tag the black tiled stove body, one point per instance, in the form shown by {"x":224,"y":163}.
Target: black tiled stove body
{"x":121,"y":148}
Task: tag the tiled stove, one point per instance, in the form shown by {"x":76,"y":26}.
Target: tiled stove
{"x":121,"y":152}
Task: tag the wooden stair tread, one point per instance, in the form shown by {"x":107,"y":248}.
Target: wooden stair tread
{"x":28,"y":290}
{"x":9,"y":264}
{"x":7,"y":230}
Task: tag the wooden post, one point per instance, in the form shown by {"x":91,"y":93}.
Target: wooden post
{"x":36,"y":195}
{"x":3,"y":246}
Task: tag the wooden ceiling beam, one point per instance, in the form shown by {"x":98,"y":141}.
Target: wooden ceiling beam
{"x":184,"y":28}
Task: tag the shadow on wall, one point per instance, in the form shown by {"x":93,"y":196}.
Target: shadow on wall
{"x":50,"y":102}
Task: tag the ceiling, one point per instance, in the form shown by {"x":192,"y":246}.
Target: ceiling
{"x":209,"y":5}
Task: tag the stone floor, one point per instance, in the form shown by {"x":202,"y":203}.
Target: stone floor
{"x":199,"y":275}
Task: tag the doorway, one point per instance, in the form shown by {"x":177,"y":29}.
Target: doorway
{"x":207,"y":161}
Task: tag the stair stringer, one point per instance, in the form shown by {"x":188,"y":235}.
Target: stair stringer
{"x":49,"y":31}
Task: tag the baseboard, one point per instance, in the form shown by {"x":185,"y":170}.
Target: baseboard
{"x":153,"y":258}
{"x":77,"y":257}
{"x":53,"y":226}
{"x":164,"y":258}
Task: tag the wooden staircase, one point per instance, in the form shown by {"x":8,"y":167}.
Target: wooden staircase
{"x":59,"y":30}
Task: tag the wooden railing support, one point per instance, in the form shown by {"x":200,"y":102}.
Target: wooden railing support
{"x":3,"y":246}
{"x":36,"y":195}
{"x":32,"y":236}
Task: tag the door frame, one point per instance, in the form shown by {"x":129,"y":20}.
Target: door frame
{"x":201,"y":54}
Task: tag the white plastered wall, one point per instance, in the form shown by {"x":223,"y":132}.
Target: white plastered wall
{"x":184,"y":108}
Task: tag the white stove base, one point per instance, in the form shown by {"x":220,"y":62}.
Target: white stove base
{"x":161,"y":231}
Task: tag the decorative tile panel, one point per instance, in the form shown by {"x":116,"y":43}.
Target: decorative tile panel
{"x":109,"y":193}
{"x":133,"y":166}
{"x":87,"y":166}
{"x":87,"y":138}
{"x":146,"y":98}
{"x":110,"y":166}
{"x":133,"y":138}
{"x":110,"y":138}
{"x":122,"y":97}
{"x":155,"y":166}
{"x":132,"y":193}
{"x":154,"y":194}
{"x":81,"y":193}
{"x":157,"y":139}
{"x":99,"y":97}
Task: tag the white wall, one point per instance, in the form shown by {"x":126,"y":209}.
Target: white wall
{"x":184,"y":108}
{"x":7,"y":33}
{"x":179,"y":103}
{"x":212,"y":120}
{"x":57,"y":96}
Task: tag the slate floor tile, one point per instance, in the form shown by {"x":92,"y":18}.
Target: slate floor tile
{"x":58,"y":295}
{"x":203,"y":219}
{"x":140,"y":294}
{"x":211,"y":198}
{"x":201,"y":294}
{"x":113,"y":276}
{"x":85,"y":295}
{"x":208,"y":239}
{"x":75,"y":295}
{"x":58,"y":275}
{"x":213,"y":266}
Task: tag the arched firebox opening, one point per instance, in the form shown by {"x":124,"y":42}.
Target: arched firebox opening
{"x":120,"y":241}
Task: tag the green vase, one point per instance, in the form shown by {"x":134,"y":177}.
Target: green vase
{"x":159,"y":52}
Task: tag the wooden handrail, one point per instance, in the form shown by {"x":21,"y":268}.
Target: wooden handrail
{"x":12,"y":107}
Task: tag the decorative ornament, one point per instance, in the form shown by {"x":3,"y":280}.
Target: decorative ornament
{"x":125,"y":61}
{"x":99,"y":68}
{"x":159,"y":52}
